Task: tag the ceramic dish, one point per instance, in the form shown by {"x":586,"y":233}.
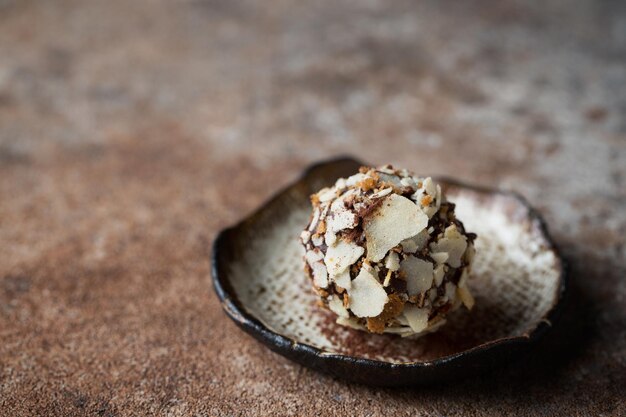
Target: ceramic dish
{"x":518,"y":280}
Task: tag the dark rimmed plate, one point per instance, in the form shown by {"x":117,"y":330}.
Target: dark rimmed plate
{"x":518,"y":280}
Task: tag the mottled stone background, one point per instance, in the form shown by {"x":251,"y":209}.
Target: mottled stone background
{"x":132,"y":131}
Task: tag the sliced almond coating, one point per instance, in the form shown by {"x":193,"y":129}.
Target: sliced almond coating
{"x":340,"y":184}
{"x":416,"y":317}
{"x":430,"y":211}
{"x":439,"y":272}
{"x":430,"y":187}
{"x":402,"y":331}
{"x":320,"y":275}
{"x":326,"y":194}
{"x":382,"y":193}
{"x":314,"y":220}
{"x":401,"y":319}
{"x":318,"y":240}
{"x":330,"y":237}
{"x":440,"y":257}
{"x":324,"y":212}
{"x":438,"y":198}
{"x":341,"y":256}
{"x":391,"y":179}
{"x":415,"y":243}
{"x":313,"y":256}
{"x":392,"y":262}
{"x":419,"y":275}
{"x":418,"y":195}
{"x":341,"y":219}
{"x":409,"y":245}
{"x":343,"y":280}
{"x":396,"y":219}
{"x":367,"y":296}
{"x":408,"y":182}
{"x":387,"y":278}
{"x":424,"y":201}
{"x":305,"y":236}
{"x":454,"y":243}
{"x":336,"y":306}
{"x":368,"y":184}
{"x":386,"y":170}
{"x":355,"y":179}
{"x":466,"y":297}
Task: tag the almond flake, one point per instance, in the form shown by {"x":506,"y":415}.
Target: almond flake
{"x":397,"y":218}
{"x":424,"y":201}
{"x":390,"y":179}
{"x":402,"y":331}
{"x":341,"y":255}
{"x":419,"y":275}
{"x":386,"y":170}
{"x":305,"y":236}
{"x":415,"y":243}
{"x":318,"y":240}
{"x":340,"y":184}
{"x":367,"y":295}
{"x":438,"y":274}
{"x":314,"y":220}
{"x":454,"y":243}
{"x":438,"y":197}
{"x":343,"y":280}
{"x":430,"y":211}
{"x":326,"y":194}
{"x":387,"y":279}
{"x":416,"y":317}
{"x":336,"y":306}
{"x":313,"y":256}
{"x":320,"y":275}
{"x":418,"y":195}
{"x":466,"y":297}
{"x":355,"y":179}
{"x":341,"y":219}
{"x":330,"y":237}
{"x":407,"y":182}
{"x":382,"y":193}
{"x":392,"y":262}
{"x":440,"y":257}
{"x":430,"y":187}
{"x":409,"y":245}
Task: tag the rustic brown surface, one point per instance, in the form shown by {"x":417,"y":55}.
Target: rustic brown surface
{"x":130,"y":132}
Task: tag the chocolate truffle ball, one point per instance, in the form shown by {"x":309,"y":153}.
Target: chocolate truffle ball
{"x":386,"y":253}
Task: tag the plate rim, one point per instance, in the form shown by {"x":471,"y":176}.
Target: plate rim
{"x":299,"y":351}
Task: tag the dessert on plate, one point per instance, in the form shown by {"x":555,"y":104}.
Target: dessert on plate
{"x":386,"y":253}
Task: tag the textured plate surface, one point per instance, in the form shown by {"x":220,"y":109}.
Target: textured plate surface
{"x":518,"y":281}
